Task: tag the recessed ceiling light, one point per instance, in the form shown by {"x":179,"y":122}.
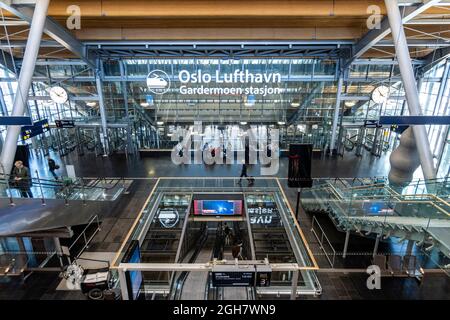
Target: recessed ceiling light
{"x":281,"y":123}
{"x":160,"y":123}
{"x":243,"y":123}
{"x":350,"y":103}
{"x":91,"y":104}
{"x":145,"y":104}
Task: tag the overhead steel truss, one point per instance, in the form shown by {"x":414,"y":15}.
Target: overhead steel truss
{"x":220,"y":50}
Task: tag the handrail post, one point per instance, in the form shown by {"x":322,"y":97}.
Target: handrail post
{"x":85,"y":240}
{"x":11,"y":201}
{"x":82,"y":191}
{"x":40,"y":188}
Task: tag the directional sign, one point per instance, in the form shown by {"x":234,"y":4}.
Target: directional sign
{"x":16,"y":121}
{"x":414,"y":120}
{"x":65,"y":123}
{"x":371,"y":124}
{"x":37,"y":128}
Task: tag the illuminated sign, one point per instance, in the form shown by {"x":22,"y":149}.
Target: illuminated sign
{"x":261,"y":215}
{"x":200,"y":82}
{"x":39,"y":127}
{"x":168,"y":217}
{"x":65,"y":123}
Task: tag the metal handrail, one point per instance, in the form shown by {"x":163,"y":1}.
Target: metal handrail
{"x":83,"y":234}
{"x":322,"y":237}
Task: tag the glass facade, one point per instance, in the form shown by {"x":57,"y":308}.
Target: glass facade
{"x":305,"y":96}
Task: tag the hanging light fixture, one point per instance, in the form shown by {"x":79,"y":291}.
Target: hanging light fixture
{"x":295,"y":103}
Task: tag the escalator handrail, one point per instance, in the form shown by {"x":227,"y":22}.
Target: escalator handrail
{"x":50,"y":183}
{"x":179,"y":282}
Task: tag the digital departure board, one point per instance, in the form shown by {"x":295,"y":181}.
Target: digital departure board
{"x":233,"y":279}
{"x":242,"y":276}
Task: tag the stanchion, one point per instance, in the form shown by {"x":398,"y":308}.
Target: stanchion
{"x":11,"y":201}
{"x":299,"y":192}
{"x":40,"y":188}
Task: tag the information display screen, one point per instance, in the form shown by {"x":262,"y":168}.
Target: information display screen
{"x":218,"y":207}
{"x":377,"y":209}
{"x":233,"y":279}
{"x":134,"y":278}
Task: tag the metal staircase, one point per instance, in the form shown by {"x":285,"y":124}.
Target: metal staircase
{"x":371,"y":207}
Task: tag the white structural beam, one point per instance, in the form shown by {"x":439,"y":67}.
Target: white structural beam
{"x":24,"y":83}
{"x":336,"y":114}
{"x":375,"y":35}
{"x":51,"y":28}
{"x":409,"y":83}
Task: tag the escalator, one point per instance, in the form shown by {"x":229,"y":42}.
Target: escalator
{"x":198,"y":285}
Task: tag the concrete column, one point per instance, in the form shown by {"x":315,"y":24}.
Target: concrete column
{"x":24,"y":82}
{"x":412,"y":95}
{"x":101,"y":103}
{"x":336,"y":113}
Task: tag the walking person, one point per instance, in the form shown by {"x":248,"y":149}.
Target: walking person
{"x":236,"y":250}
{"x":52,"y":166}
{"x":243,"y":172}
{"x":22,"y":179}
{"x":227,"y":232}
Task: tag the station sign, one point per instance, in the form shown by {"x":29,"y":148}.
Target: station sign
{"x":237,"y":82}
{"x":261,"y":214}
{"x":39,"y":127}
{"x":371,"y":124}
{"x":65,"y":123}
{"x":168,"y":217}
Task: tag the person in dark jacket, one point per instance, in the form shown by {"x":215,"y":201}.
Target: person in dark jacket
{"x":52,"y":166}
{"x":236,"y":250}
{"x":22,"y":178}
{"x":243,"y":172}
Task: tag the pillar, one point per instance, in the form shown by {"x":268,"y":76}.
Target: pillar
{"x":101,"y":104}
{"x":24,"y":82}
{"x":336,"y":113}
{"x":409,"y":82}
